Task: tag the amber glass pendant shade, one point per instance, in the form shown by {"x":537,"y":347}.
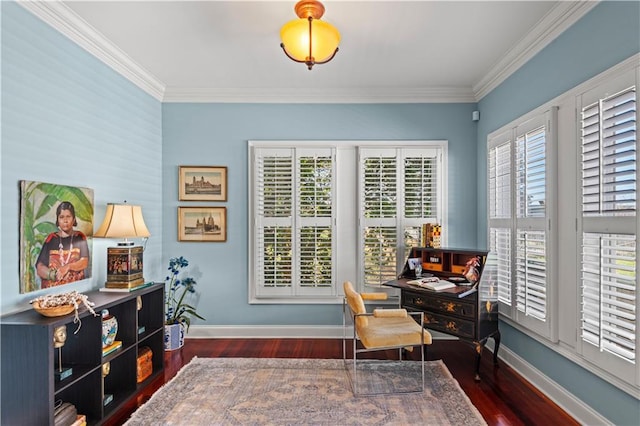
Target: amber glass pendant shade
{"x":309,"y":40}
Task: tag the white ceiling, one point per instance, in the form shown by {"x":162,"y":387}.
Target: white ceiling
{"x":391,"y":51}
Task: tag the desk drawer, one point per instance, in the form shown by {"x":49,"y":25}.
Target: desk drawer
{"x":450,"y":325}
{"x":429,"y":302}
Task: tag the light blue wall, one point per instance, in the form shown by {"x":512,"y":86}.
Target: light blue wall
{"x":217,"y":134}
{"x":606,"y":36}
{"x":69,"y":119}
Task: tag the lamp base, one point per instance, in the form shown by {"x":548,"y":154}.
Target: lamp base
{"x":124,"y":267}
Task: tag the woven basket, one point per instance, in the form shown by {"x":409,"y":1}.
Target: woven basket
{"x":55,"y":311}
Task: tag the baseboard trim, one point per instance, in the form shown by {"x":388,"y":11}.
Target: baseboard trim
{"x":575,"y":407}
{"x":265,"y":332}
{"x":279,"y":332}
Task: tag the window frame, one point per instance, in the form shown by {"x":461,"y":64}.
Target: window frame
{"x":346,"y":220}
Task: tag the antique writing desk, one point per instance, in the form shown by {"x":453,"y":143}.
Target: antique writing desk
{"x":469,"y":312}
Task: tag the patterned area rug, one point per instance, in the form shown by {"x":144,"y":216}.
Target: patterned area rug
{"x":284,"y":391}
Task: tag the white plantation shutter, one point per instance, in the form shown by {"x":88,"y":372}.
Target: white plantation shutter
{"x":531,"y":174}
{"x":500,"y":181}
{"x":400,"y":189}
{"x":274,"y":170}
{"x":518,"y":175}
{"x":499,"y":171}
{"x":609,"y":293}
{"x":420,"y":187}
{"x":531,"y":274}
{"x":421,"y":195}
{"x":500,"y":248}
{"x":530,"y":197}
{"x":609,"y":226}
{"x":294,"y":238}
{"x":609,"y":156}
{"x":315,"y":233}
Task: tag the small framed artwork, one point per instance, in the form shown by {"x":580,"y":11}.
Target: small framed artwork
{"x":202,"y":224}
{"x":202,"y":183}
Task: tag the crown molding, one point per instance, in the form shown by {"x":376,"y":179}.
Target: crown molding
{"x":316,"y":96}
{"x":67,"y":22}
{"x":555,"y":22}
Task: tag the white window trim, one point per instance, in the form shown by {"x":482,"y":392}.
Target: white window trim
{"x":346,"y":269}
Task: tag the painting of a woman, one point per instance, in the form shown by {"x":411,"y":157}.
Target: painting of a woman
{"x":65,"y":254}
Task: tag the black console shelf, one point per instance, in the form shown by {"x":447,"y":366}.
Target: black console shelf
{"x":30,"y":389}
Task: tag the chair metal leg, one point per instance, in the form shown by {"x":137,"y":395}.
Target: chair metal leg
{"x":355,"y":366}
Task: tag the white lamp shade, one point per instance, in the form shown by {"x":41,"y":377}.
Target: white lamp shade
{"x":123,"y":221}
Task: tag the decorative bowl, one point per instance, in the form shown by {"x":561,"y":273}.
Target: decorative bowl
{"x":54,"y":311}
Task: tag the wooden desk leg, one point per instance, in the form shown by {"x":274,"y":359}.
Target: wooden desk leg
{"x":496,"y":339}
{"x":479,"y":347}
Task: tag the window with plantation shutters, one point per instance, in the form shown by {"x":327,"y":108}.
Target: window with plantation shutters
{"x":517,"y":187}
{"x":400,"y":189}
{"x":562,"y":184}
{"x":321,"y":213}
{"x":608,"y":249}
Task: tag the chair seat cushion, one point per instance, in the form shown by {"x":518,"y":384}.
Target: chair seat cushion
{"x":383,"y":332}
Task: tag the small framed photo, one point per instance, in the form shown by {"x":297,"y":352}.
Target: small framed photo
{"x":202,"y":224}
{"x":414,"y":262}
{"x":202,"y":183}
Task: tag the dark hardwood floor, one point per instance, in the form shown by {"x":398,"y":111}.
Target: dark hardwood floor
{"x":502,"y":397}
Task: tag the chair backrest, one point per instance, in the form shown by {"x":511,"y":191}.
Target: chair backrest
{"x":355,"y":302}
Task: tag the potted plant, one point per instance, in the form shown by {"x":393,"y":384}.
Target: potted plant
{"x":178,"y":312}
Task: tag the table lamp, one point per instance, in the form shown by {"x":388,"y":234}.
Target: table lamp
{"x":124,"y":262}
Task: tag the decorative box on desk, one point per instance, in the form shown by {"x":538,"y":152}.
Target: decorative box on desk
{"x":469,"y":310}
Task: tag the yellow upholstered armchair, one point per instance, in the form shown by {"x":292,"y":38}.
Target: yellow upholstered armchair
{"x":379,"y":330}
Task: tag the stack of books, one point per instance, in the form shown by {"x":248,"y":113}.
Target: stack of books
{"x":112,"y":347}
{"x":431,"y":235}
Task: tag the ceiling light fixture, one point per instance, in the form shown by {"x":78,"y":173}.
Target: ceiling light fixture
{"x":309,"y":40}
